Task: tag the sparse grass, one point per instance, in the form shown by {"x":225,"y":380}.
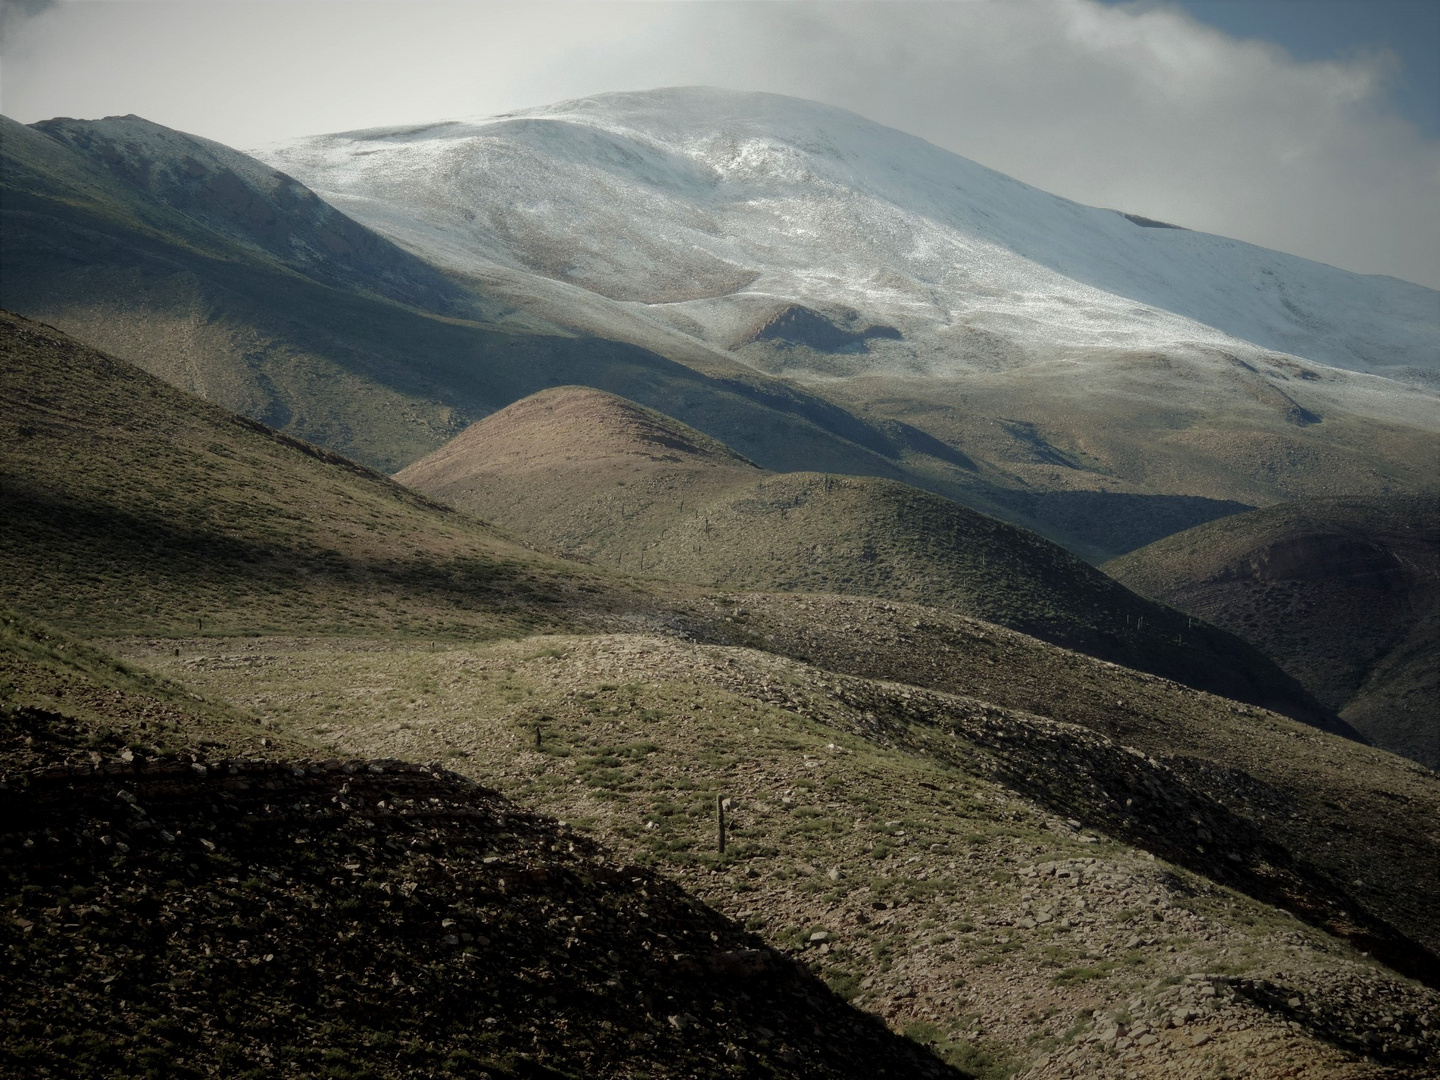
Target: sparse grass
{"x":645,"y":776}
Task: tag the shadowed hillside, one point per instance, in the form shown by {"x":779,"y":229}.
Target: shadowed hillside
{"x":593,"y":474}
{"x":134,"y":506}
{"x":1343,"y":593}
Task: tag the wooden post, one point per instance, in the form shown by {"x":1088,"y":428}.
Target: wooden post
{"x":720,"y":820}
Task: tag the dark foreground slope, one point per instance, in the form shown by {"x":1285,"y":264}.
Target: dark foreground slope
{"x":1343,"y":593}
{"x":178,"y":914}
{"x":590,"y":473}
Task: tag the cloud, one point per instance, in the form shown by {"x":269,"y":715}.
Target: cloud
{"x":1138,"y":106}
{"x":15,"y":12}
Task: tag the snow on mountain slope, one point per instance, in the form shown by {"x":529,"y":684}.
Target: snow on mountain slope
{"x":713,"y":212}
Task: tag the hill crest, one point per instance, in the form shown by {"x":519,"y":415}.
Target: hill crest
{"x":569,"y":424}
{"x":624,"y":487}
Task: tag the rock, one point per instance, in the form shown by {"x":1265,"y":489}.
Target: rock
{"x":1200,"y":1038}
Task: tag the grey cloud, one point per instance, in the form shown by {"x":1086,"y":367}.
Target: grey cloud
{"x":14,"y":14}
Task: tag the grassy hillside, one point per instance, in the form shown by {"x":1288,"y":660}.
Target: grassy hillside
{"x":974,"y":873}
{"x":593,"y":474}
{"x":1342,"y":593}
{"x":1117,"y":448}
{"x":989,"y":804}
{"x":137,"y":508}
{"x":375,"y":918}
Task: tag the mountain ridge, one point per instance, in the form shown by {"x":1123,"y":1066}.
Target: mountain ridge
{"x":695,"y":143}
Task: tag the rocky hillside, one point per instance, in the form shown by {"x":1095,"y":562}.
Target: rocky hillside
{"x":372,"y":917}
{"x":1343,"y":593}
{"x":1019,"y":890}
{"x":1018,"y":856}
{"x":588,"y":473}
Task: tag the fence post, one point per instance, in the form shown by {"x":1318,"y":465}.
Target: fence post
{"x":720,"y":820}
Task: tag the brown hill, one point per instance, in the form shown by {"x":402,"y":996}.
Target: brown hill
{"x":136,"y":507}
{"x":595,"y":475}
{"x":1343,"y":593}
{"x":964,"y":908}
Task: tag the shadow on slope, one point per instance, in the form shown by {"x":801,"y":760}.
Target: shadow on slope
{"x":135,"y":506}
{"x":1343,"y":593}
{"x":1351,"y":820}
{"x":373,"y":916}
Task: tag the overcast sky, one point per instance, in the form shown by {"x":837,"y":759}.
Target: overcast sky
{"x":1305,"y":125}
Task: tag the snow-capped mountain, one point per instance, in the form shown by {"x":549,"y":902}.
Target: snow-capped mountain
{"x":731,"y":217}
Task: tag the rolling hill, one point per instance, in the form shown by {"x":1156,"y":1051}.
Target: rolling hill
{"x":594,"y":475}
{"x":1342,"y":593}
{"x":1031,"y":849}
